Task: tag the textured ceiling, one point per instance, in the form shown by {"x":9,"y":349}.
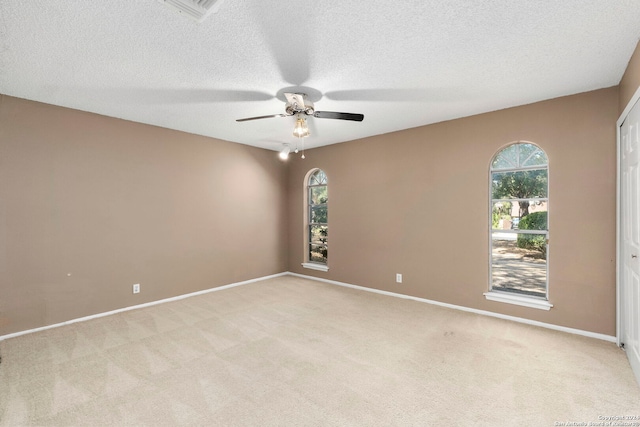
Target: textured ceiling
{"x":401,"y":64}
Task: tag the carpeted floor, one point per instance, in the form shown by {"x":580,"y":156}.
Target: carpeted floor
{"x":295,"y":352}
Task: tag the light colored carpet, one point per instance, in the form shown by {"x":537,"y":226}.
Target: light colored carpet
{"x":295,"y":352}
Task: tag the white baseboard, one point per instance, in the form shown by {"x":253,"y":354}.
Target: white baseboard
{"x":332,"y":282}
{"x":470,"y":310}
{"x":135,"y":307}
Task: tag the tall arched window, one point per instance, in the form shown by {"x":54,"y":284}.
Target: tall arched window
{"x":317,"y":226}
{"x":518,"y":221}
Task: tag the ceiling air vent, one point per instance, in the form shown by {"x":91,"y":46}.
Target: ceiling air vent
{"x":195,"y":9}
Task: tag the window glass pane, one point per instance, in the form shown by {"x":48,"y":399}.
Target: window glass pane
{"x":318,"y":233}
{"x":519,"y":221}
{"x":519,"y":185}
{"x":318,"y":214}
{"x":530,"y":155}
{"x":503,"y":215}
{"x":318,"y":178}
{"x":533,"y":242}
{"x":519,"y":264}
{"x":534,"y":220}
{"x":523,"y":215}
{"x":318,"y":253}
{"x":317,"y":195}
{"x":507,"y":158}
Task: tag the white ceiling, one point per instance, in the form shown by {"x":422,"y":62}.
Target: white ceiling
{"x":402,"y":64}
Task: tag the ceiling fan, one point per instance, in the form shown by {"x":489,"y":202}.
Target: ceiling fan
{"x":299,"y":103}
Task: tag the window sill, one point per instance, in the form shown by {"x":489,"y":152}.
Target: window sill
{"x":518,"y":300}
{"x":314,"y":266}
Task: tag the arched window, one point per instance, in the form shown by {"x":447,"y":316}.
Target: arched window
{"x":317,"y":226}
{"x":519,"y":204}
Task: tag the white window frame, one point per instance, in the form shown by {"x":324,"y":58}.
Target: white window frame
{"x":513,"y":297}
{"x":313,"y":265}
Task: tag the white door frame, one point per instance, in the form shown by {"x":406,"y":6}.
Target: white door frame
{"x":634,"y":99}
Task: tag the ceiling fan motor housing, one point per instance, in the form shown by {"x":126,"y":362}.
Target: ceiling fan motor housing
{"x":298,"y":103}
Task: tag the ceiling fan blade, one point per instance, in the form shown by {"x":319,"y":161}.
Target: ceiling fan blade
{"x":261,"y":117}
{"x":341,"y":116}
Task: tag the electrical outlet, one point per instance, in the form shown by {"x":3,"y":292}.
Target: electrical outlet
{"x":398,"y":278}
{"x":136,"y":288}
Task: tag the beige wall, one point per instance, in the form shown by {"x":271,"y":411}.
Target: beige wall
{"x":631,"y":80}
{"x":115,"y":203}
{"x":416,"y":202}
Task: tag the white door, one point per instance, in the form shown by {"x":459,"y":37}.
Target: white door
{"x":630,"y":237}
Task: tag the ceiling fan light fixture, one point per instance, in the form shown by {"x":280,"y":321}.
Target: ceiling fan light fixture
{"x":301,"y":130}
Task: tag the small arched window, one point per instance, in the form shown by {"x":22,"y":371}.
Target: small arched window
{"x":519,"y":205}
{"x":317,"y":225}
